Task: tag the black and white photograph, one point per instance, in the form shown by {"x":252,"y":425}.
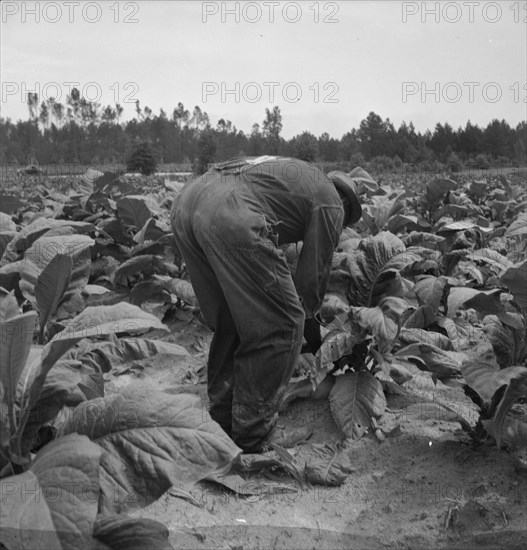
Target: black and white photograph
{"x":263,"y":275}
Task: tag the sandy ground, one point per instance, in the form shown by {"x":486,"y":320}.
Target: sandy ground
{"x":425,"y":486}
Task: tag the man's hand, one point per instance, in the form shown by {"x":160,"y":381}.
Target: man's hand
{"x":312,"y":336}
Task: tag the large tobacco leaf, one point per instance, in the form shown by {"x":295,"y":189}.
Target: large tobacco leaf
{"x":30,"y":233}
{"x":152,"y":440}
{"x":354,"y":399}
{"x":375,"y":259}
{"x":121,"y":532}
{"x":75,"y":247}
{"x":486,"y":379}
{"x":54,"y":503}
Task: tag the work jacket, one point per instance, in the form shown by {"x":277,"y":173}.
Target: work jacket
{"x":300,"y":203}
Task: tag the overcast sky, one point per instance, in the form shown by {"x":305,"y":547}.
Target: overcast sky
{"x":403,"y":60}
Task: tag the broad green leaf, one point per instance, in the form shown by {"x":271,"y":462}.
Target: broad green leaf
{"x":95,"y":290}
{"x":442,"y":364}
{"x":518,"y":228}
{"x":400,"y":221}
{"x":93,"y":321}
{"x":52,"y":284}
{"x":145,"y":264}
{"x":429,"y":291}
{"x":10,"y":204}
{"x":16,"y":337}
{"x":30,"y":233}
{"x":54,"y":503}
{"x":374,"y":257}
{"x":382,"y":321}
{"x":333,"y":305}
{"x":361,"y":177}
{"x":437,"y":189}
{"x":183,"y":290}
{"x":335,"y":345}
{"x":426,"y":240}
{"x":105,"y":320}
{"x":516,"y":389}
{"x":422,"y":318}
{"x":7,"y":225}
{"x":152,"y":440}
{"x":8,"y":307}
{"x":125,"y":533}
{"x":508,"y":343}
{"x":486,"y":302}
{"x":486,"y":379}
{"x":118,"y":351}
{"x":152,"y":230}
{"x":491,"y":257}
{"x":515,"y":279}
{"x":354,"y":399}
{"x":478,"y":188}
{"x":75,"y":247}
{"x":417,"y":335}
{"x":135,"y":210}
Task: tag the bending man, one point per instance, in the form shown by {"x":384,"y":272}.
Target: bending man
{"x":229,"y":225}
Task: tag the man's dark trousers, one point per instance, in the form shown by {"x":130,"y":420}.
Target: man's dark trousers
{"x":247,"y":297}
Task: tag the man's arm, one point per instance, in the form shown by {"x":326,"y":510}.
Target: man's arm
{"x":314,"y":264}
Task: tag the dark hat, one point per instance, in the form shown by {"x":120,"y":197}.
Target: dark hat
{"x":347,"y":187}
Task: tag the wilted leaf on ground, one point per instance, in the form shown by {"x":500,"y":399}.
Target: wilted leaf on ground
{"x":56,"y":504}
{"x":327,"y":465}
{"x":152,"y":440}
{"x":354,"y":399}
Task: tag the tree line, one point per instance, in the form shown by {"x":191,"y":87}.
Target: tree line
{"x":85,"y":132}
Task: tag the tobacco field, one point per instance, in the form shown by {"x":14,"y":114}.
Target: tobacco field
{"x":416,"y":432}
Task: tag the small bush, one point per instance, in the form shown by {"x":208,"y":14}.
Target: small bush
{"x":142,"y":159}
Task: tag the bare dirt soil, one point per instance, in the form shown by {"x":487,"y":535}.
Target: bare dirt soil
{"x":425,"y":486}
